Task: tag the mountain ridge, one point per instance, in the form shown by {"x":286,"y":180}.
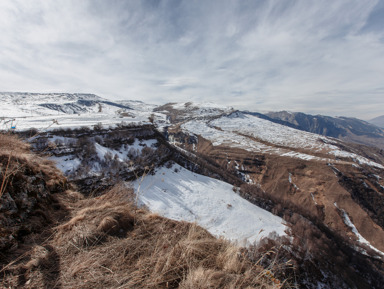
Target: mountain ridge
{"x":345,"y":128}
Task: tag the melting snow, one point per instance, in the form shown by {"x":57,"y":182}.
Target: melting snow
{"x":66,"y":163}
{"x":102,"y":151}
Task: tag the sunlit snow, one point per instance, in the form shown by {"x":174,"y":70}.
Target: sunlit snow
{"x":179,"y":194}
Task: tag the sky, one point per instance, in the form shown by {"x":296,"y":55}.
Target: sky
{"x":319,"y":57}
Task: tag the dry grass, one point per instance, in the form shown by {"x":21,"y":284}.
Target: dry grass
{"x":10,"y":147}
{"x":103,"y":244}
{"x":27,"y":182}
{"x":11,"y":143}
{"x":15,"y":158}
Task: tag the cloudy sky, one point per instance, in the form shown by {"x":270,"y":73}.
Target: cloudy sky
{"x":322,"y":57}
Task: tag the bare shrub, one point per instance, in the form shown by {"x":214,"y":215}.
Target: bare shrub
{"x":98,"y":126}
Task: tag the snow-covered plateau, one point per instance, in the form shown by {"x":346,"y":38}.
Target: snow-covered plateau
{"x":24,"y":111}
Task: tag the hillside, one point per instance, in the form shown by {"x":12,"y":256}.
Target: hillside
{"x":317,"y":198}
{"x":27,"y":183}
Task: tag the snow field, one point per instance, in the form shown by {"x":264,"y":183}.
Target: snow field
{"x":269,"y":132}
{"x":28,"y":112}
{"x":179,"y":194}
{"x":232,"y":139}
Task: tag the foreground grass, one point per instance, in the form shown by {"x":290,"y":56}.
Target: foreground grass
{"x":108,"y":242}
{"x":104,"y":245}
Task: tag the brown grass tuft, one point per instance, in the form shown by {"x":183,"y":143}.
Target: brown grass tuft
{"x":11,"y":143}
{"x":90,"y":226}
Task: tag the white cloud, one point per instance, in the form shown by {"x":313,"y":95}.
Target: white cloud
{"x":313,"y":56}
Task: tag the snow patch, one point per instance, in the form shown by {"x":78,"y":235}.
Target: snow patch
{"x":290,"y":181}
{"x":360,"y":238}
{"x":179,"y":194}
{"x":66,"y":164}
{"x":102,"y":151}
{"x":313,"y":198}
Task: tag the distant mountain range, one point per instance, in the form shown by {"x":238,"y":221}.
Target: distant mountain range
{"x":379,"y":121}
{"x":345,"y":128}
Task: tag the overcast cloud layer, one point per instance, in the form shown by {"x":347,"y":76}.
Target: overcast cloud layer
{"x":322,"y":57}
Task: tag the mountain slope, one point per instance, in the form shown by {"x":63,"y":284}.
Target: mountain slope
{"x":177,"y":195}
{"x":327,"y":186}
{"x":257,"y":135}
{"x":30,"y":104}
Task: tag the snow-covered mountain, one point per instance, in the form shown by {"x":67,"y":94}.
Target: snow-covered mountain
{"x":38,"y":104}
